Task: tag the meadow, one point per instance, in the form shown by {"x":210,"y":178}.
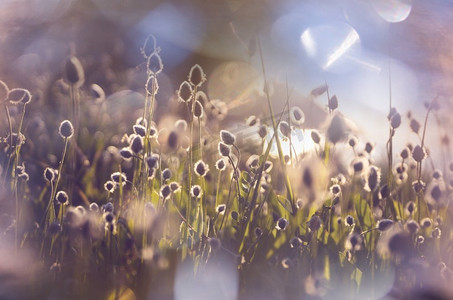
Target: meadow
{"x":94,"y":207}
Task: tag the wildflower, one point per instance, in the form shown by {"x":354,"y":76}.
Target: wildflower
{"x":154,"y":64}
{"x":252,"y":121}
{"x":74,"y":74}
{"x":118,"y":177}
{"x":282,"y":223}
{"x":426,"y":222}
{"x":227,"y":137}
{"x":166,"y":174}
{"x":196,"y":191}
{"x":108,"y":207}
{"x":333,"y":102}
{"x":62,"y":197}
{"x":66,"y":129}
{"x":198,"y":109}
{"x":109,"y":186}
{"x":384,"y":224}
{"x":352,"y":141}
{"x":224,"y":149}
{"x":175,"y":187}
{"x":165,"y":191}
{"x":372,"y":178}
{"x":49,"y":175}
{"x":136,"y":144}
{"x":126,"y":153}
{"x":220,"y":164}
{"x":295,"y":242}
{"x":285,"y":129}
{"x":368,"y":147}
{"x":418,"y":153}
{"x":201,"y":168}
{"x":335,"y":189}
{"x":197,"y":76}
{"x":405,"y":153}
{"x":152,"y":161}
{"x":141,"y":121}
{"x":296,"y":116}
{"x":395,"y":120}
{"x":262,"y":131}
{"x":415,"y":126}
{"x":258,"y":232}
{"x":315,"y":223}
{"x":221,"y":209}
{"x":139,"y":130}
{"x":315,"y":136}
{"x":349,"y":220}
{"x":267,"y":166}
{"x":214,"y":243}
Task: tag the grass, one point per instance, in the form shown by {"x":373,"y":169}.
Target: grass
{"x":158,"y":216}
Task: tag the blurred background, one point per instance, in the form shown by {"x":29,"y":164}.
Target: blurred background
{"x":356,"y":46}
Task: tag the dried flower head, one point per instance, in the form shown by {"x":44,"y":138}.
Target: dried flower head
{"x":201,"y":168}
{"x":353,"y":141}
{"x":66,"y":129}
{"x":220,"y":209}
{"x":126,"y":153}
{"x":412,"y":226}
{"x":19,"y":96}
{"x":285,"y":129}
{"x":118,"y":177}
{"x":97,"y":92}
{"x":314,"y":223}
{"x":252,"y":121}
{"x":426,"y":222}
{"x":94,"y":207}
{"x":262,"y":131}
{"x":166,"y":174}
{"x":109,"y":186}
{"x":220,"y":164}
{"x":165,"y":191}
{"x":175,"y":187}
{"x":384,"y":224}
{"x":196,"y":191}
{"x":349,"y":220}
{"x":418,"y":153}
{"x":353,"y":242}
{"x":409,"y":208}
{"x":405,"y":153}
{"x":198,"y":109}
{"x":49,"y":174}
{"x":335,"y":189}
{"x":74,"y":74}
{"x":185,"y":92}
{"x":227,"y":137}
{"x":333,"y":102}
{"x":395,"y":120}
{"x":296,"y":116}
{"x":282,"y":223}
{"x":154,"y":64}
{"x":415,"y":126}
{"x":295,"y":242}
{"x":136,"y":144}
{"x":139,"y":130}
{"x":197,"y":76}
{"x":62,"y":197}
{"x":152,"y":161}
{"x":372,"y":178}
{"x":224,"y":149}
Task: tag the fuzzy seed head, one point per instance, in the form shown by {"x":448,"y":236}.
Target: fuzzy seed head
{"x":221,"y":209}
{"x":315,"y":136}
{"x":66,"y":129}
{"x":315,"y":223}
{"x":384,"y":224}
{"x":165,"y":191}
{"x":19,"y":96}
{"x":395,"y":121}
{"x":282,"y":223}
{"x":152,"y":161}
{"x":296,"y":116}
{"x":201,"y":168}
{"x":175,"y":187}
{"x":118,"y":177}
{"x":196,"y":191}
{"x":262,"y":131}
{"x":349,"y":220}
{"x":415,"y":126}
{"x":94,"y":207}
{"x":335,"y":189}
{"x":139,"y":130}
{"x":126,"y":153}
{"x":227,"y":137}
{"x":197,"y":76}
{"x":252,"y":121}
{"x":185,"y":92}
{"x":224,"y":149}
{"x":198,"y":109}
{"x":333,"y":102}
{"x":137,"y":144}
{"x":62,"y":197}
{"x":154,"y":64}
{"x":109,"y":186}
{"x":285,"y":129}
{"x":220,"y":164}
{"x":166,"y":174}
{"x":49,"y":174}
{"x":74,"y":74}
{"x":418,"y":153}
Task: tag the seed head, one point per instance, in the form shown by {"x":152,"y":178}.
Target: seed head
{"x":220,"y":164}
{"x":227,"y":137}
{"x":252,"y":121}
{"x":19,"y":96}
{"x":126,"y":153}
{"x":369,"y":147}
{"x":109,"y":186}
{"x":333,"y":102}
{"x":139,"y":130}
{"x":198,"y":109}
{"x":285,"y":129}
{"x":201,"y":168}
{"x":74,"y":74}
{"x":196,"y":191}
{"x":97,"y":92}
{"x":175,"y":187}
{"x":109,"y":217}
{"x":295,"y":242}
{"x":415,"y":125}
{"x":405,"y":153}
{"x":282,"y":223}
{"x":152,"y":161}
{"x":315,"y":223}
{"x":66,"y":129}
{"x":181,"y":125}
{"x":154,"y":64}
{"x":224,"y":149}
{"x":262,"y":131}
{"x":296,"y":116}
{"x":353,"y":242}
{"x":418,"y":186}
{"x":185,"y":92}
{"x":94,"y":207}
{"x":418,"y":153}
{"x":349,"y":220}
{"x":117,"y":177}
{"x":437,"y":174}
{"x":165,"y":191}
{"x":384,"y":224}
{"x":315,"y":136}
{"x":410,"y":208}
{"x":335,"y":189}
{"x":426,"y":222}
{"x":395,"y":121}
{"x":166,"y":174}
{"x":221,"y":209}
{"x":136,"y":144}
{"x":373,"y":178}
{"x":62,"y":197}
{"x":197,"y":76}
{"x":412,"y":226}
{"x":258,"y":232}
{"x":352,"y":141}
{"x":49,"y":174}
{"x":436,"y":233}
{"x":108,"y":207}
